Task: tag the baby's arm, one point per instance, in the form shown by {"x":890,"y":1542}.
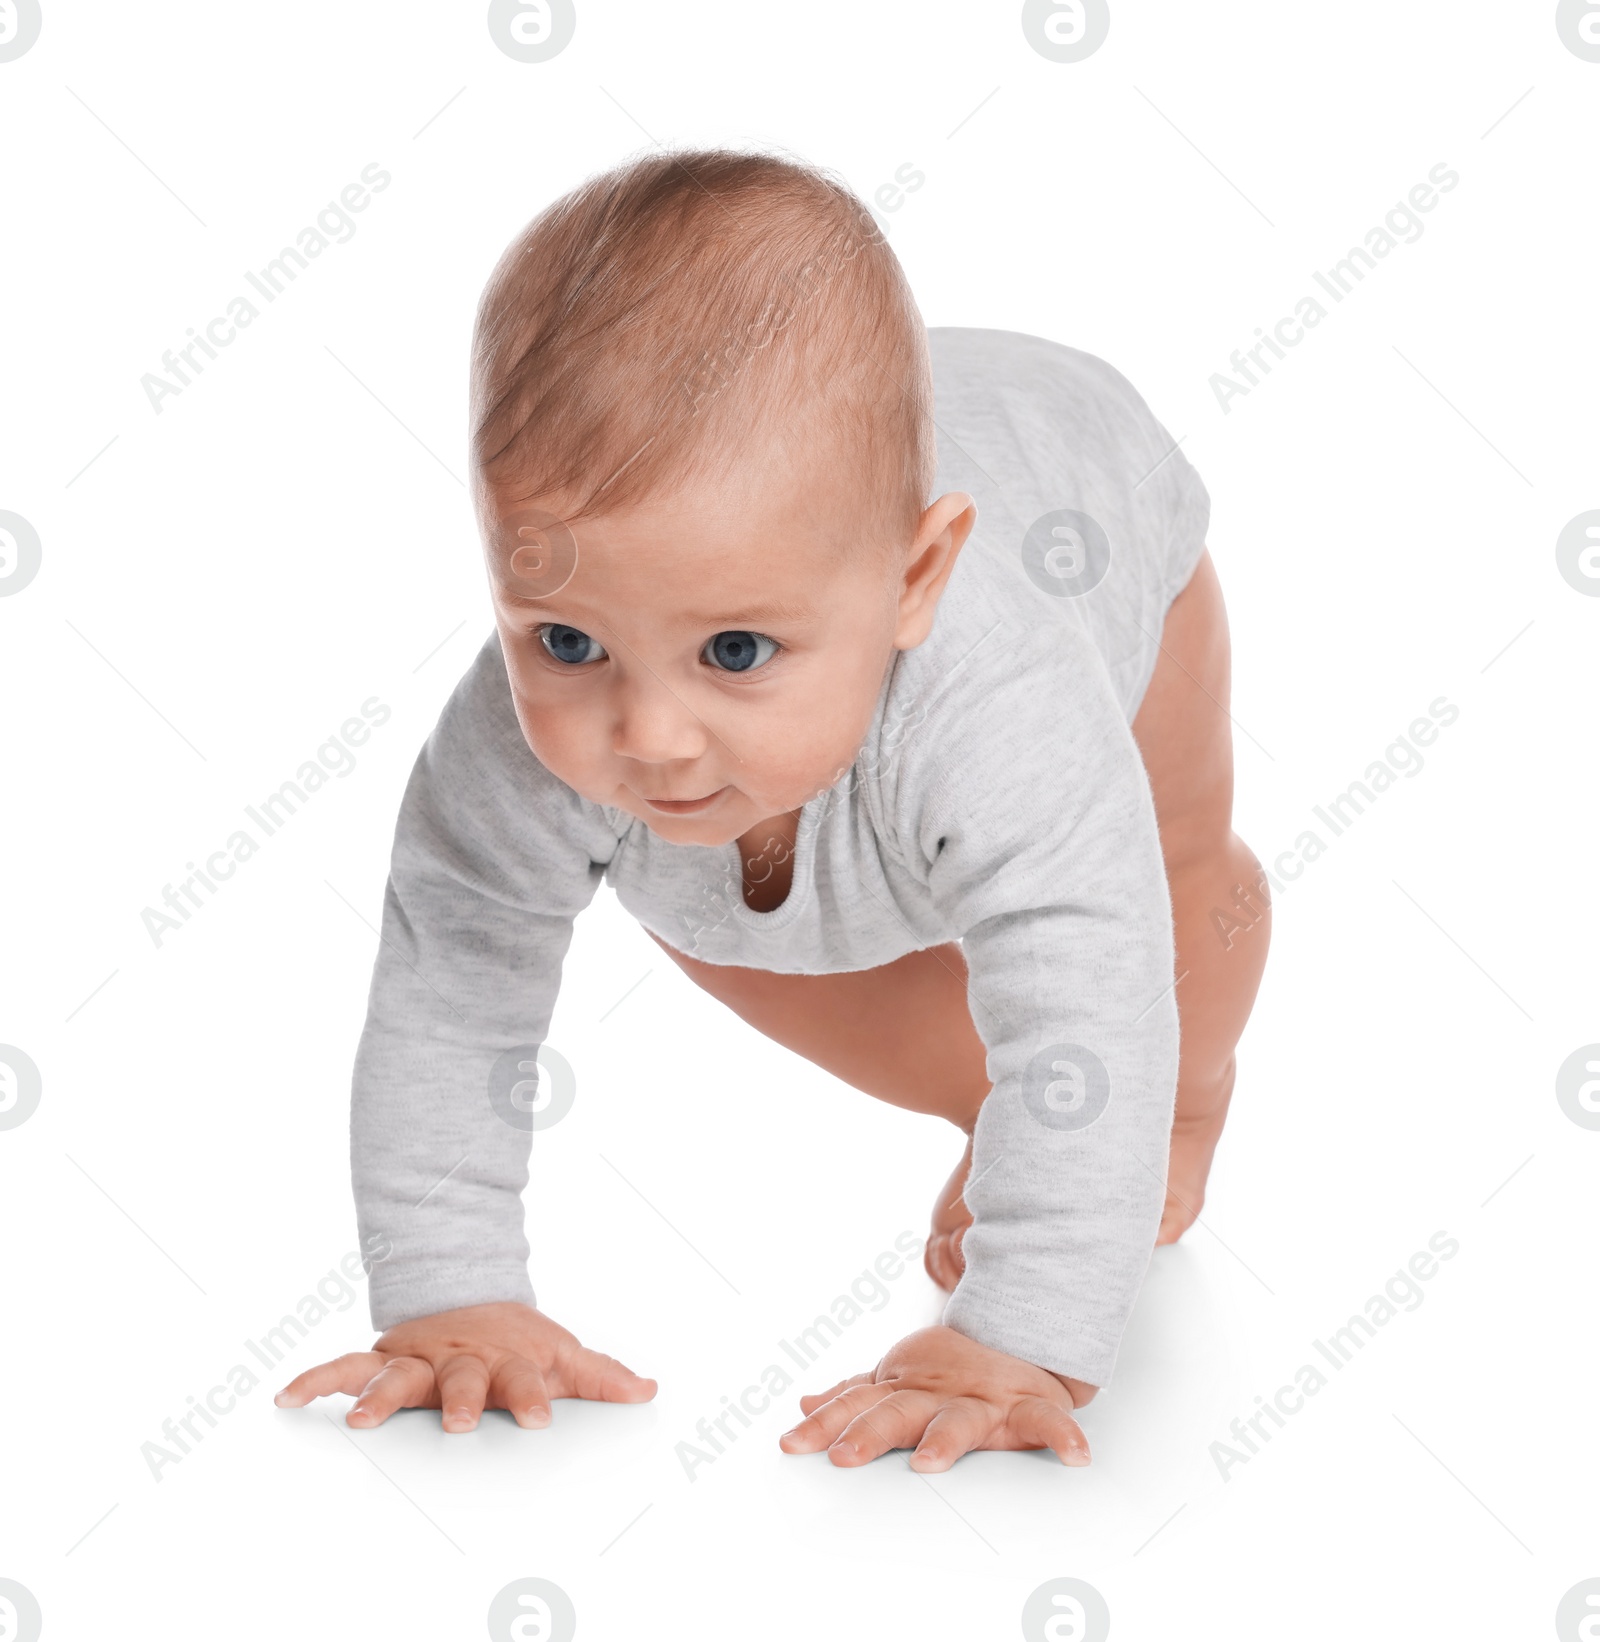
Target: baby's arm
{"x":493,"y":858}
{"x":1031,"y":807}
{"x":1030,"y":810}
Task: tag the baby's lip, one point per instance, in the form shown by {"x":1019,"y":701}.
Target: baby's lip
{"x":684,"y":806}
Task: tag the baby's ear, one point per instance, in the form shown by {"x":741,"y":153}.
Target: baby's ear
{"x":932,"y":556}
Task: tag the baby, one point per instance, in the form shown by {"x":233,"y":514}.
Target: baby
{"x":929,"y":791}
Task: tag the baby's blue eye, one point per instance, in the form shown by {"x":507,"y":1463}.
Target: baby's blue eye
{"x":569,"y":645}
{"x":739,"y":652}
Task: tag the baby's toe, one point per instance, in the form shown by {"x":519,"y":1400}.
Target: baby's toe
{"x":1176,"y":1219}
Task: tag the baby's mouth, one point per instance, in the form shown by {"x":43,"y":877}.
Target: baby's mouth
{"x":684,"y":806}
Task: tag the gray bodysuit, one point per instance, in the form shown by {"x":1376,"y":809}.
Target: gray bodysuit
{"x":999,"y":799}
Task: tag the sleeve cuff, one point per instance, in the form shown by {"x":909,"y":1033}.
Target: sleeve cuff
{"x":1051,"y":1339}
{"x":400,"y":1296}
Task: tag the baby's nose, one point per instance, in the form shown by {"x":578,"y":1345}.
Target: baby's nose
{"x":654,"y":727}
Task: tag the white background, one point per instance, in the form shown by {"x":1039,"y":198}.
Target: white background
{"x":225,"y":582}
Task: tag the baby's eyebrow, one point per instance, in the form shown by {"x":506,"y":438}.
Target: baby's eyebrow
{"x":749,"y":615}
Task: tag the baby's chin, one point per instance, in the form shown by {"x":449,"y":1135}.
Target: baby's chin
{"x":726,"y":820}
{"x":721,"y":822}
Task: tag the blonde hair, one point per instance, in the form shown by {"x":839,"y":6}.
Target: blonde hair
{"x":683,"y":308}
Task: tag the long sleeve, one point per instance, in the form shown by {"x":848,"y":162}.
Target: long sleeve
{"x":493,"y":858}
{"x":1033,"y":817}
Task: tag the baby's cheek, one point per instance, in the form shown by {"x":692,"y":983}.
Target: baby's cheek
{"x":558,"y":737}
{"x":842,"y":723}
{"x":808,"y":757}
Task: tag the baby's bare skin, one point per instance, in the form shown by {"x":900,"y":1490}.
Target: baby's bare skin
{"x":505,"y":1355}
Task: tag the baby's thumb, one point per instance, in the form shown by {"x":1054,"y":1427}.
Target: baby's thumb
{"x":603,"y":1379}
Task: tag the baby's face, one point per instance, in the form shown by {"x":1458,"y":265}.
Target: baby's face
{"x":714,"y":658}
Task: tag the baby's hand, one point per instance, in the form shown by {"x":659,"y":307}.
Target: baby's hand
{"x":943,"y":1395}
{"x":504,"y":1355}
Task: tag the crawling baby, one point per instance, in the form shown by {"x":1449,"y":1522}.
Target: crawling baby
{"x":883,"y":674}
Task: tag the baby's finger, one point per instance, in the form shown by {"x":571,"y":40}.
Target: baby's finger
{"x":345,"y":1375}
{"x":960,"y":1426}
{"x":896,"y":1422}
{"x":463,"y":1383}
{"x":518,"y":1387}
{"x":821,"y":1428}
{"x":1040,"y":1423}
{"x":403,"y":1382}
{"x":598,"y":1378}
{"x":810,"y":1403}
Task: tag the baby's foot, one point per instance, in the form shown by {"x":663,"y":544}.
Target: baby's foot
{"x":941,"y":1255}
{"x":1194,"y":1143}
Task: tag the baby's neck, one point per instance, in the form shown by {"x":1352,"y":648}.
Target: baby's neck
{"x":766,"y":854}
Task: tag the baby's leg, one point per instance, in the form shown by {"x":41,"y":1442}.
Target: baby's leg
{"x":901,"y":1032}
{"x":1221,"y":914}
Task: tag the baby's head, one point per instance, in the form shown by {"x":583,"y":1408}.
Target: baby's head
{"x":703,"y":446}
